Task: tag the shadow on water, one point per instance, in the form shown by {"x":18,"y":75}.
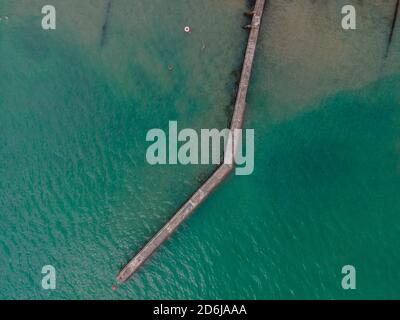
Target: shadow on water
{"x":105,"y":24}
{"x":250,"y":3}
{"x":229,"y":108}
{"x":393,"y":26}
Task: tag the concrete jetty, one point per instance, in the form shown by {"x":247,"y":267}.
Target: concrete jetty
{"x":223,"y":170}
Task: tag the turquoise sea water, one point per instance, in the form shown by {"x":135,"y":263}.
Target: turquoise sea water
{"x":76,"y":191}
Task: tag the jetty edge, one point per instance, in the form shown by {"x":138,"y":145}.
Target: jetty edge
{"x":223,"y":170}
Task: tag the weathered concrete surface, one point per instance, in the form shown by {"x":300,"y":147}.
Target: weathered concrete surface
{"x":222,"y":172}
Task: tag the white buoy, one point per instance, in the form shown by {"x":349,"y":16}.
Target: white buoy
{"x":187,"y":29}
